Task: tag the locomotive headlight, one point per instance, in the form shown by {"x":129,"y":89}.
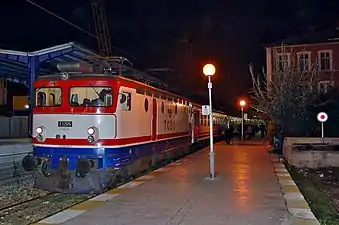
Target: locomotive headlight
{"x":90,"y":131}
{"x":39,"y":130}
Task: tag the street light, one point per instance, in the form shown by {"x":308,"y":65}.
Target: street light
{"x":242,"y":104}
{"x":209,"y":71}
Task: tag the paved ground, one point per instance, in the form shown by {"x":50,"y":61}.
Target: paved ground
{"x":245,"y":192}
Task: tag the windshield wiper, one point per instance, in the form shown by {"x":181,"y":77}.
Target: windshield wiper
{"x":95,"y":90}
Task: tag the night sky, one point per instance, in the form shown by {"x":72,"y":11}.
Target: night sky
{"x":174,"y":34}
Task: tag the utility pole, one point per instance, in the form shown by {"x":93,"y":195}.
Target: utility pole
{"x":101,"y":28}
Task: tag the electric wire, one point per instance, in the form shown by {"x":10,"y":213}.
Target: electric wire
{"x":77,"y":27}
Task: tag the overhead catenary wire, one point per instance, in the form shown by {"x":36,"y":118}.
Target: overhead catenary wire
{"x":77,"y":27}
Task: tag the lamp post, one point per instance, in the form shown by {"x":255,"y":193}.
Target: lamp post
{"x":242,"y":104}
{"x":209,"y":71}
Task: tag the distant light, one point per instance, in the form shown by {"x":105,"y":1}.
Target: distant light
{"x":26,"y":106}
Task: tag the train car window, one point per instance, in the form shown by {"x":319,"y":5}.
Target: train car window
{"x":146,"y":105}
{"x":125,"y":101}
{"x":91,"y":96}
{"x":162,"y":107}
{"x":176,"y":109}
{"x":54,"y":96}
{"x":196,"y":118}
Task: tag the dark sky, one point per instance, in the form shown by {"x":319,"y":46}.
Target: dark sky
{"x":182,"y":35}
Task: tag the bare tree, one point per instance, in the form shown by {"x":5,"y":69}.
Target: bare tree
{"x":286,"y":95}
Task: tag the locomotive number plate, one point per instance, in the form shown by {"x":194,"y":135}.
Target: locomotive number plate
{"x":64,"y":123}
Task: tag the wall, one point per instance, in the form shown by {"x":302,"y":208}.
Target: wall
{"x":310,"y":158}
{"x":14,"y":127}
{"x":313,"y":49}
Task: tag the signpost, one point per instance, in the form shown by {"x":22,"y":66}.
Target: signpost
{"x":322,"y":118}
{"x":205,"y":110}
{"x":245,"y":116}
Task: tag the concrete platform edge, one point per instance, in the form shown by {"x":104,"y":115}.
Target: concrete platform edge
{"x":295,"y":202}
{"x":99,"y":200}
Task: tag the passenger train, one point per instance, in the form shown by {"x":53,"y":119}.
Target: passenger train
{"x":92,"y":128}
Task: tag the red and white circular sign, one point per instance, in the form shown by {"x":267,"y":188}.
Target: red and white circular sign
{"x":322,"y":117}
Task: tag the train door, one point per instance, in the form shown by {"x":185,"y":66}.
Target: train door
{"x":154,"y":120}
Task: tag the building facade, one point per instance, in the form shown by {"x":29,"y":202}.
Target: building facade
{"x":321,"y":54}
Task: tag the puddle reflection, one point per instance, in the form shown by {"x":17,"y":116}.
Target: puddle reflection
{"x":241,"y":173}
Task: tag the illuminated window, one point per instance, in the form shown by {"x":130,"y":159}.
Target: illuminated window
{"x":54,"y":96}
{"x":125,"y":101}
{"x":90,"y":96}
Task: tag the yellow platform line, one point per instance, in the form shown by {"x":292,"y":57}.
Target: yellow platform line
{"x":295,"y":202}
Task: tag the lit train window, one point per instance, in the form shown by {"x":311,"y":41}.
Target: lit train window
{"x":41,"y":99}
{"x":146,"y":105}
{"x":48,"y":96}
{"x":51,"y":98}
{"x":91,"y":96}
{"x":125,"y":101}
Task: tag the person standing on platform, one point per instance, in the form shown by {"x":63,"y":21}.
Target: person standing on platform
{"x":229,"y":134}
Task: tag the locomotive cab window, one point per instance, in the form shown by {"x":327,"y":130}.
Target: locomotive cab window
{"x":50,"y":96}
{"x":125,"y":101}
{"x":90,"y":96}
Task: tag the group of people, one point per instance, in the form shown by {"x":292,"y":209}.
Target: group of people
{"x":249,"y":132}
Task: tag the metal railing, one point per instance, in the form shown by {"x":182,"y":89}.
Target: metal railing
{"x":10,"y":166}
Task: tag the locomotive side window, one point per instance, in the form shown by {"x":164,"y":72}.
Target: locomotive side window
{"x":125,"y":101}
{"x":162,"y":107}
{"x":146,"y":105}
{"x":90,"y":96}
{"x":50,"y":96}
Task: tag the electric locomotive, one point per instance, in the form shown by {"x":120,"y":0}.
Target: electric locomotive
{"x":92,"y":128}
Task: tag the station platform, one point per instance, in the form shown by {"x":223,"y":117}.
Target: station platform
{"x":245,"y":191}
{"x":15,"y":146}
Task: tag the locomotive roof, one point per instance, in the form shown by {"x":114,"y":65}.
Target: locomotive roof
{"x":75,"y":76}
{"x":114,"y":69}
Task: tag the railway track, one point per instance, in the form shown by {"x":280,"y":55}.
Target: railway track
{"x":12,"y":205}
{"x":27,"y":212}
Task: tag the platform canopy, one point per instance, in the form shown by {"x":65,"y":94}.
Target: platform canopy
{"x":26,"y":66}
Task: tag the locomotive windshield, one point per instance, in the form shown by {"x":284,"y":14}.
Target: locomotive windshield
{"x":90,"y":96}
{"x":51,"y":96}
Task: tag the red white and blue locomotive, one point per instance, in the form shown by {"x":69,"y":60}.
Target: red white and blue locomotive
{"x":91,"y":128}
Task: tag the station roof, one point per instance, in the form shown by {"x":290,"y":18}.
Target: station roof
{"x":16,"y":64}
